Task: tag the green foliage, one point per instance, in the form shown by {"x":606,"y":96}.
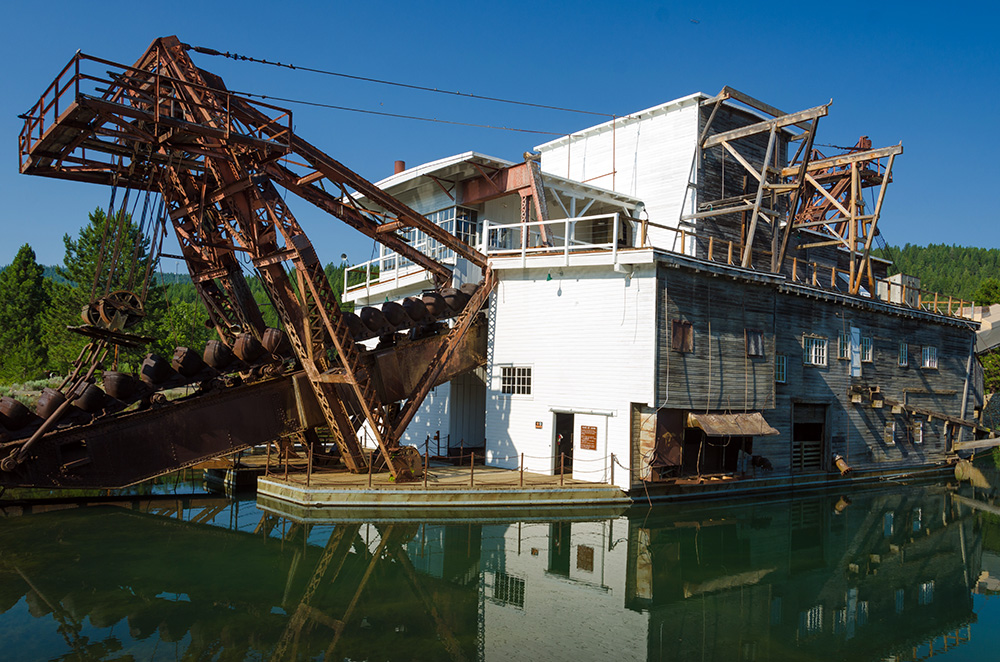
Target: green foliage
{"x":183,"y":325}
{"x":991,"y":371}
{"x":38,"y":303}
{"x":23,"y":298}
{"x":955,"y":271}
{"x":988,"y":292}
{"x":88,"y":270}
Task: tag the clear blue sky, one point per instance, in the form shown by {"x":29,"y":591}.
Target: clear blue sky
{"x":925,"y":74}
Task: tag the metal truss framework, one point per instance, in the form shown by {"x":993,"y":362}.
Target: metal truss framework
{"x":218,"y":161}
{"x":810,"y":193}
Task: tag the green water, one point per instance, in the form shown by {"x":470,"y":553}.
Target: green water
{"x":889,"y":574}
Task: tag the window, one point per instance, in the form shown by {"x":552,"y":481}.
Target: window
{"x":682,"y":336}
{"x":904,"y":359}
{"x":928,"y":358}
{"x":754,"y":342}
{"x":900,"y":598}
{"x":926,"y":594}
{"x":815,"y":350}
{"x":844,"y":346}
{"x":508,"y":590}
{"x":515,"y":380}
{"x":863,"y":612}
{"x":918,"y":432}
{"x":889,"y":435}
{"x":811,"y":622}
{"x":866,"y":349}
{"x":467,"y":225}
{"x":780,"y":368}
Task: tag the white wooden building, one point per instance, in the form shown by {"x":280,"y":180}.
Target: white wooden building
{"x":589,"y":370}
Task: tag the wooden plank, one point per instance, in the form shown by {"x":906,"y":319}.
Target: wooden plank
{"x":743,"y":161}
{"x":844,"y":160}
{"x":768,"y":125}
{"x":977,"y":444}
{"x":758,"y":104}
{"x":748,"y":251}
{"x":826,"y":194}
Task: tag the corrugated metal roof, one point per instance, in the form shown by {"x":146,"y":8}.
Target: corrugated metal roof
{"x":750,"y":424}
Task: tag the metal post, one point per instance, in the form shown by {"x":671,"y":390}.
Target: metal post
{"x":562,"y":468}
{"x":267,"y":462}
{"x":612,"y":468}
{"x":286,"y":463}
{"x":566,"y":243}
{"x":370,"y":462}
{"x":614,"y":240}
{"x":522,"y":469}
{"x":472,"y":469}
{"x":426,"y":463}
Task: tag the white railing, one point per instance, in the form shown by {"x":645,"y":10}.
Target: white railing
{"x":601,"y":232}
{"x":392,"y":266}
{"x":566,"y":235}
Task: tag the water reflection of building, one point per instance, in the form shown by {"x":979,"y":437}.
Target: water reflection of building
{"x":819,"y":578}
{"x":809,"y":579}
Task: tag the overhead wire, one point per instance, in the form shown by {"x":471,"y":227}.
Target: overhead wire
{"x":367,"y":79}
{"x":380,"y":113}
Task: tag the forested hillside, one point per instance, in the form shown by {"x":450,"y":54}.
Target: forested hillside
{"x":957,"y":271}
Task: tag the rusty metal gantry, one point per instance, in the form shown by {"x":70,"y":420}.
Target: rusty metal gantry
{"x":218,"y":159}
{"x":812,"y":192}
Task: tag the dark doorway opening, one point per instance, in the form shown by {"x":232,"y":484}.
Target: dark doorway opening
{"x":564,"y":443}
{"x":808,"y":437}
{"x":559,"y":547}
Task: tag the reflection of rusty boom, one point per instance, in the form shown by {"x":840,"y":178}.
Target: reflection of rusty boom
{"x":218,"y":160}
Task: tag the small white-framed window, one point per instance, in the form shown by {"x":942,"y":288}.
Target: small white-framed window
{"x":844,"y":346}
{"x":918,"y":432}
{"x":780,"y":368}
{"x":515,"y":380}
{"x":889,"y":433}
{"x":866,"y":349}
{"x":904,"y":356}
{"x":815,"y":351}
{"x":928,"y":357}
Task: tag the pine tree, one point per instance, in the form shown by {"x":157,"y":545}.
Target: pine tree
{"x":23,"y":299}
{"x":90,"y":269}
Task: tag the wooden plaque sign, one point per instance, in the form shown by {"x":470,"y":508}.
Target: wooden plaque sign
{"x":588,"y":437}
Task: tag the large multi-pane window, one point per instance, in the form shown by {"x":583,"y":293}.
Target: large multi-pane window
{"x":928,"y":358}
{"x":458,"y":221}
{"x":814,"y":350}
{"x":904,"y":358}
{"x":515,"y":380}
{"x":780,"y":368}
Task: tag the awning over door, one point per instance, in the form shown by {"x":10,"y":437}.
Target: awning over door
{"x":751,"y":424}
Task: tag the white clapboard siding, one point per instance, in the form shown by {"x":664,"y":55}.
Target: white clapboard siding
{"x":654,"y":160}
{"x":588,"y":335}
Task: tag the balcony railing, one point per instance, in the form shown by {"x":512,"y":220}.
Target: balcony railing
{"x":587,"y":234}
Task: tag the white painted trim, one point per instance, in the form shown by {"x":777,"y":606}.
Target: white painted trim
{"x":611,"y":413}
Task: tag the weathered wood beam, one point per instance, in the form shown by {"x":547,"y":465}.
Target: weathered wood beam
{"x":845,"y":159}
{"x":748,"y":249}
{"x":739,"y":157}
{"x":826,"y":194}
{"x":768,"y":125}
